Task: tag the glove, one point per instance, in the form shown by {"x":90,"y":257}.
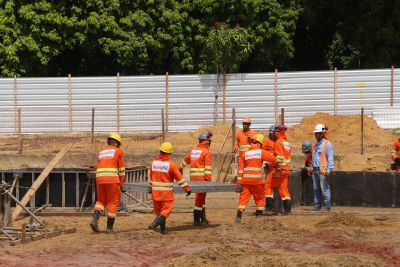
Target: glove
{"x":234,"y":179}
{"x":266,"y":166}
{"x":397,"y":160}
{"x":188,"y":193}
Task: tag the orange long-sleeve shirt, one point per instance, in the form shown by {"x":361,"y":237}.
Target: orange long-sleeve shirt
{"x":243,"y":140}
{"x":200,"y":160}
{"x":282,"y":151}
{"x":110,"y":166}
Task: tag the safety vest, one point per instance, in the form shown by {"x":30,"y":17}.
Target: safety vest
{"x":163,"y":172}
{"x":250,"y":169}
{"x":282,"y":151}
{"x":110,"y":166}
{"x":323,"y":159}
{"x":243,"y":140}
{"x":200,"y":160}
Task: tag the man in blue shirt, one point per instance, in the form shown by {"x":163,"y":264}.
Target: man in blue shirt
{"x":322,"y":166}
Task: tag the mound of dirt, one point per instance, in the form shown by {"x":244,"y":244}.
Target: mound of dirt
{"x":344,"y":219}
{"x":261,"y":224}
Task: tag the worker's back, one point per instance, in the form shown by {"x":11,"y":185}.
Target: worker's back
{"x":110,"y":166}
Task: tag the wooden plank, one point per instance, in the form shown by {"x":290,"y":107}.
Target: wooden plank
{"x":62,"y":189}
{"x":77,"y":190}
{"x":42,"y":177}
{"x":196,"y":187}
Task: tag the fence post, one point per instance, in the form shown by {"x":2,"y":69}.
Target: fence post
{"x":166,"y":102}
{"x":92,"y":125}
{"x":282,"y":116}
{"x":276,"y":92}
{"x":233,"y":127}
{"x":224,"y":97}
{"x":163,"y":125}
{"x":15,"y":106}
{"x":335,"y":92}
{"x":20,"y":141}
{"x":391,"y":85}
{"x":118,"y":117}
{"x":69,"y":103}
{"x":362,"y":131}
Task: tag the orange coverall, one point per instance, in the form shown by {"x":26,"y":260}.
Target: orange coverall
{"x":243,"y":140}
{"x":200,"y":160}
{"x":396,"y":153}
{"x":269,"y":145}
{"x":279,"y":176}
{"x":110,"y":175}
{"x":250,"y":176}
{"x":163,"y":172}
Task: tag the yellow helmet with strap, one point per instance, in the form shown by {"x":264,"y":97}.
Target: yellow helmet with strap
{"x":166,"y":147}
{"x":258,"y":137}
{"x":116,"y":137}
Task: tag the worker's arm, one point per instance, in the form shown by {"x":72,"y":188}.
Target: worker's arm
{"x":331,"y":161}
{"x":121,"y":167}
{"x":395,"y":151}
{"x":236,"y":146}
{"x":240,"y":168}
{"x":268,"y":157}
{"x":208,"y":165}
{"x":185,"y":161}
{"x":177,"y":175}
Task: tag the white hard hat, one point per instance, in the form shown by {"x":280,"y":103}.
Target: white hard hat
{"x":320,"y":128}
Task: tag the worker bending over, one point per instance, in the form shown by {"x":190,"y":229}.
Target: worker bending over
{"x":200,"y":161}
{"x":110,"y":175}
{"x":250,"y":176}
{"x":163,"y":172}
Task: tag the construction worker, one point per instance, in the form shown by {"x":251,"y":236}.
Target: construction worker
{"x":200,"y":161}
{"x":279,"y":176}
{"x":110,"y":175}
{"x":243,"y":140}
{"x":269,"y":143}
{"x":163,"y":172}
{"x":322,"y":166}
{"x":306,"y":149}
{"x":396,"y":155}
{"x":250,"y":175}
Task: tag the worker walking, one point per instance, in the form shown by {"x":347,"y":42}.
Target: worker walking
{"x":200,"y":161}
{"x":110,"y":175}
{"x":322,"y":166}
{"x":250,"y":176}
{"x":163,"y":172}
{"x":279,"y":176}
{"x":307,"y":150}
{"x":396,"y":155}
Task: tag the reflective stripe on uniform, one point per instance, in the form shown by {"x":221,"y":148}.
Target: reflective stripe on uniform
{"x":269,"y":196}
{"x":106,"y":174}
{"x":197,"y":169}
{"x":241,"y":206}
{"x":247,"y":175}
{"x":107,"y":170}
{"x":244,"y":147}
{"x":286,"y":198}
{"x":260,"y":208}
{"x":252,"y":169}
{"x":394,"y":152}
{"x":163,"y":183}
{"x":111,"y":214}
{"x":198,"y":208}
{"x":208,"y":172}
{"x":182,"y":164}
{"x":197,"y":174}
{"x":240,"y":171}
{"x":161,"y":188}
{"x":99,"y":206}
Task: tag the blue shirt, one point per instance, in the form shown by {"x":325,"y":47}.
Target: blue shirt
{"x":317,"y":153}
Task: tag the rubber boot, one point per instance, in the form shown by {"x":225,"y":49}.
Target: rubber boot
{"x":94,"y":222}
{"x":203,"y":218}
{"x":157,"y":221}
{"x":239,"y":216}
{"x":287,"y":207}
{"x":110,"y":225}
{"x":259,"y":212}
{"x":196,"y":217}
{"x":269,"y":206}
{"x":162,"y":225}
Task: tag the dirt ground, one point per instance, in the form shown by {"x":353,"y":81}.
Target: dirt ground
{"x":343,"y":237}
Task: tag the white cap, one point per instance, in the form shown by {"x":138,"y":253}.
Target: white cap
{"x":319,"y":128}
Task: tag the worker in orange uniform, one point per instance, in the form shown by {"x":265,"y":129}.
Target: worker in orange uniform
{"x":269,"y":143}
{"x":307,"y":150}
{"x":279,"y":176}
{"x":396,"y":154}
{"x":200,"y":161}
{"x":250,"y":176}
{"x":110,"y":175}
{"x":243,"y":137}
{"x":163,"y":172}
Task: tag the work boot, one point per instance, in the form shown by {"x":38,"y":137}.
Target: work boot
{"x":287,"y":207}
{"x":239,"y":216}
{"x":315,"y":208}
{"x":196,"y":217}
{"x":259,"y":212}
{"x":157,"y":221}
{"x":269,"y":206}
{"x":110,"y":225}
{"x":203,"y":218}
{"x":162,"y":224}
{"x":94,"y":222}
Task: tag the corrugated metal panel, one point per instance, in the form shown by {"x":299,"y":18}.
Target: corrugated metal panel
{"x":44,"y":101}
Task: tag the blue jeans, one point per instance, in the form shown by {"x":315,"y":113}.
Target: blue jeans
{"x":322,"y":190}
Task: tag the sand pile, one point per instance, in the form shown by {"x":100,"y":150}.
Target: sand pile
{"x":344,"y":219}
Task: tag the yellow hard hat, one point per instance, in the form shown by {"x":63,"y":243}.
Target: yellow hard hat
{"x":258,"y":137}
{"x":166,"y":147}
{"x":116,"y":137}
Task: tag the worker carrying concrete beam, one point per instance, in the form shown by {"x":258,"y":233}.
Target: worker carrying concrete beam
{"x":279,"y":176}
{"x":200,"y":161}
{"x":163,"y":172}
{"x":110,"y":175}
{"x":250,"y":175}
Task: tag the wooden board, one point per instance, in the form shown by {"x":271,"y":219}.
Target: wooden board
{"x":197,"y":187}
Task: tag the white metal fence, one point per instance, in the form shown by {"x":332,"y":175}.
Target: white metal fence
{"x":134,"y":103}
